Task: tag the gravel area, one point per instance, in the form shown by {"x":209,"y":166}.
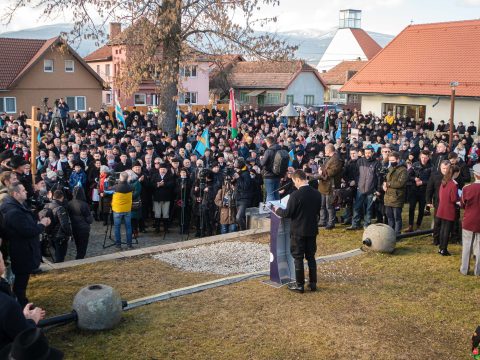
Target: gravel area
{"x":221,"y":258}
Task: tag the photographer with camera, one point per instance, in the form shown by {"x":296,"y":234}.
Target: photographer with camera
{"x":225,"y":200}
{"x":243,"y":191}
{"x":329,"y":177}
{"x":204,"y":205}
{"x":60,"y":229}
{"x":350,"y":175}
{"x":419,"y":175}
{"x":63,"y":109}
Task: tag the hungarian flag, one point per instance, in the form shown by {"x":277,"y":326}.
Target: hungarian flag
{"x":232,"y":115}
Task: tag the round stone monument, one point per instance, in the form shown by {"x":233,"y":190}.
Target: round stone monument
{"x":379,"y":238}
{"x":98,"y":307}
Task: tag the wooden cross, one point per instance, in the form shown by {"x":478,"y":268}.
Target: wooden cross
{"x":34,"y":124}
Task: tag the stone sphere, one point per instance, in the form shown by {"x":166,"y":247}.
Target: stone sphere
{"x":99,"y":307}
{"x":380,"y":238}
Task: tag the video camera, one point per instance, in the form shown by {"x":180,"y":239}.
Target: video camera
{"x":228,"y":173}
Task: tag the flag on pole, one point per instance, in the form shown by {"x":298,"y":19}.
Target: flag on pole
{"x":232,"y":115}
{"x":202,"y":143}
{"x":119,"y":113}
{"x":179,"y":121}
{"x":291,"y":156}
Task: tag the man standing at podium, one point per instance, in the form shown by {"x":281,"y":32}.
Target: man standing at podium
{"x":303,"y":208}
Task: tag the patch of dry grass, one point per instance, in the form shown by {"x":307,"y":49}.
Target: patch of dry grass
{"x":413,"y":304}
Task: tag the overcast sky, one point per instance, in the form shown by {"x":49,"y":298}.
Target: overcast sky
{"x":384,"y":16}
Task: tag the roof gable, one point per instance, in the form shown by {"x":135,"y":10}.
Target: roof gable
{"x":268,"y":74}
{"x":103,"y":53}
{"x":423,"y":60}
{"x":338,"y":74}
{"x":37,"y":56}
{"x":15,"y":55}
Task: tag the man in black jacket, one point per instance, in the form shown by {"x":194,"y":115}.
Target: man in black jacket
{"x":243,"y":191}
{"x":271,"y":181}
{"x":163,"y":186}
{"x":22,"y":232}
{"x":60,"y":228}
{"x":303,"y":208}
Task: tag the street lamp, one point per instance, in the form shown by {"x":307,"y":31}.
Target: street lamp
{"x":453,"y":85}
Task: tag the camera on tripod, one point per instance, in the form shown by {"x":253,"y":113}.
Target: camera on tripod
{"x":228,"y":173}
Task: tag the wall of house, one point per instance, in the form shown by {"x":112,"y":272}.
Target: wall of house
{"x":306,"y":83}
{"x":37,"y":84}
{"x":100,"y":68}
{"x":198,"y":84}
{"x":466,"y":110}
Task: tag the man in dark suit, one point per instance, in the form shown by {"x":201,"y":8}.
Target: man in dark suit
{"x":303,"y":208}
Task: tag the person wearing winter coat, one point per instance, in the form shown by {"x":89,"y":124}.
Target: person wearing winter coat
{"x":243,"y":191}
{"x":78,"y":177}
{"x":22,"y":232}
{"x":225,"y":201}
{"x":164,"y":186}
{"x":60,"y":229}
{"x":394,"y":187}
{"x":81,"y":219}
{"x":446,"y":212}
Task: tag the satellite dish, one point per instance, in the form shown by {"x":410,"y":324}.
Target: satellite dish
{"x":289,"y":111}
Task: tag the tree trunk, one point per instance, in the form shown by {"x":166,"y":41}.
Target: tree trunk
{"x":171,"y":49}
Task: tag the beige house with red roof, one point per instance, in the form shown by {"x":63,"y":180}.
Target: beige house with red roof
{"x":336,"y":77}
{"x":412,"y":75}
{"x":31,"y":70}
{"x":275,"y":83}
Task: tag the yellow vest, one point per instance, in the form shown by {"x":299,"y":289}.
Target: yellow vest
{"x":122,"y":202}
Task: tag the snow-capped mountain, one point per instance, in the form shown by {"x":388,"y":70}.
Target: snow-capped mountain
{"x":312,"y":43}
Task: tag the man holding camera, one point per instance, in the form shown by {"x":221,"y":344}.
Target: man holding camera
{"x":60,"y":229}
{"x":243,"y":191}
{"x":329,"y":177}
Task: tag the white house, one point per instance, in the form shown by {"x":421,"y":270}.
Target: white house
{"x":412,"y":76}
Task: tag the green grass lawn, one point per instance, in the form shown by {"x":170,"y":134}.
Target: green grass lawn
{"x":413,"y":304}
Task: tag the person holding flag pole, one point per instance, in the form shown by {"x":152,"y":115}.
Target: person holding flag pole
{"x":232,"y":115}
{"x":118,"y":112}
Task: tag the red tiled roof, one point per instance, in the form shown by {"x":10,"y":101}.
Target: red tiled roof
{"x":268,"y":74}
{"x":15,"y":54}
{"x":423,"y":60}
{"x":101,"y":54}
{"x":338,"y":74}
{"x":368,"y":45}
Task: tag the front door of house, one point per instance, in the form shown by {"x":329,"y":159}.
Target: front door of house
{"x":261,"y":100}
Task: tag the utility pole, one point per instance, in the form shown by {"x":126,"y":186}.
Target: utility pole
{"x":453,"y":85}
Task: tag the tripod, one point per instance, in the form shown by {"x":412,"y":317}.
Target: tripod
{"x":108,"y":233}
{"x":183,"y":197}
{"x":55,"y":122}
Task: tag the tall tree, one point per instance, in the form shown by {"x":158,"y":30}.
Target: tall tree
{"x":165,"y":33}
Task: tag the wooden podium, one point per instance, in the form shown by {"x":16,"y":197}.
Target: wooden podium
{"x":282,"y":268}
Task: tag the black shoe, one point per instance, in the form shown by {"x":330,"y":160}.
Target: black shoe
{"x":444,"y":253}
{"x":130,"y":247}
{"x":347,"y":223}
{"x":118,"y":247}
{"x":37,"y":271}
{"x":313,"y":286}
{"x":329,"y":227}
{"x":322,"y":225}
{"x":295,"y":287}
{"x":353,"y":228}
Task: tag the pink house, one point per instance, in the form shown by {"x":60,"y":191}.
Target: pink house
{"x":193,"y":82}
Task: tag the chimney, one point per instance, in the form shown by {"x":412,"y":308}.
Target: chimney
{"x":115,"y":29}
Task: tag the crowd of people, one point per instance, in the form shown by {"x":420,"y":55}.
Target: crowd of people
{"x":91,"y":167}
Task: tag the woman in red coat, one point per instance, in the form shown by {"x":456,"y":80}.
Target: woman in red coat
{"x":448,"y":197}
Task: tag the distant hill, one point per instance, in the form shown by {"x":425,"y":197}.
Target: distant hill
{"x":312,"y":42}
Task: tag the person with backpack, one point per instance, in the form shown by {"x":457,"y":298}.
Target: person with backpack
{"x":60,"y":228}
{"x":274,"y":164}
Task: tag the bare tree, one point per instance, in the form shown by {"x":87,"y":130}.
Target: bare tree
{"x":165,"y":33}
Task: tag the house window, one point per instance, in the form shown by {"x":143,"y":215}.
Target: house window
{"x":290,"y":99}
{"x":309,"y":100}
{"x":8,"y":105}
{"x":152,"y":99}
{"x":108,"y":98}
{"x":69,"y":66}
{"x":188,"y":71}
{"x":140,"y":99}
{"x":107,"y":69}
{"x":244,"y":98}
{"x":98,"y":69}
{"x":187,"y":98}
{"x":273,"y":98}
{"x":47,"y":65}
{"x":76,"y":103}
